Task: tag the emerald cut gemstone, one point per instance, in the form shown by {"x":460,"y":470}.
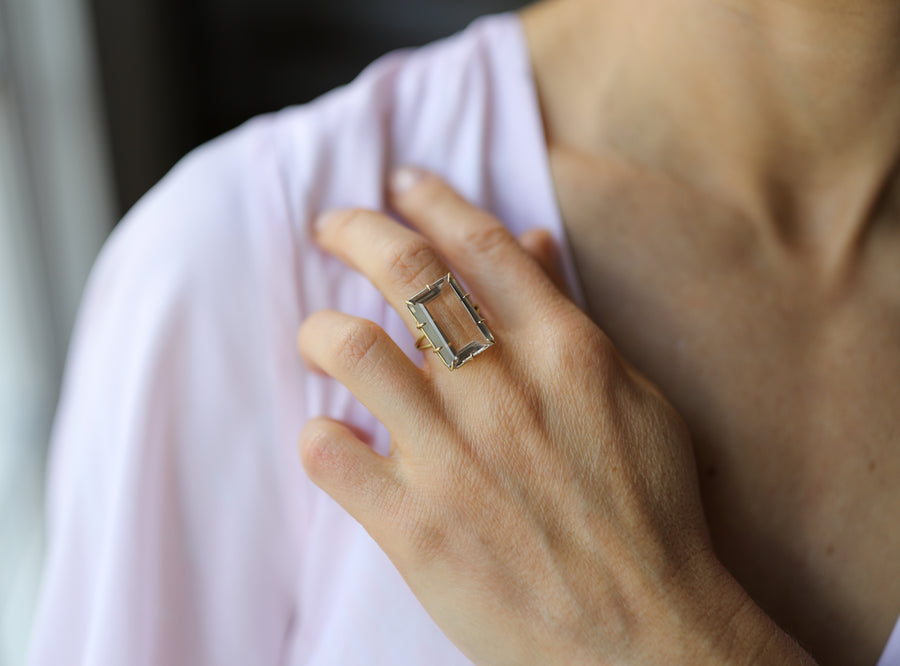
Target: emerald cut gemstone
{"x":450,"y":322}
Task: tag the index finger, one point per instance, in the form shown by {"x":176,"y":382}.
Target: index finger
{"x":476,"y":243}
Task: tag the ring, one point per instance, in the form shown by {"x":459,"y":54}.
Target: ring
{"x":451,"y":325}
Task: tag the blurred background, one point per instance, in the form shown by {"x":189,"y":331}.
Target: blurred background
{"x":98,"y":99}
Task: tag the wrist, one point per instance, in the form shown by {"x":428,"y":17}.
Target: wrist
{"x":710,"y":619}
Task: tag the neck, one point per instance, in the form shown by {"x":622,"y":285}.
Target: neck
{"x":788,"y":108}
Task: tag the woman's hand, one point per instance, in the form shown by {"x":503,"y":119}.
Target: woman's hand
{"x":541,"y":501}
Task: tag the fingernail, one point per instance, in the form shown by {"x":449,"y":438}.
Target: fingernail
{"x":405,"y":178}
{"x":323,"y":219}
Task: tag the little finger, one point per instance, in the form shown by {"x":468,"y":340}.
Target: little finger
{"x":540,"y":246}
{"x":367,"y":485}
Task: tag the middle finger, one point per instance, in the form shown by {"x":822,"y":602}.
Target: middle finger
{"x":398,"y":261}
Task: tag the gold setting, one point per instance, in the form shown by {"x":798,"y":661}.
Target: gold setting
{"x":454,"y":353}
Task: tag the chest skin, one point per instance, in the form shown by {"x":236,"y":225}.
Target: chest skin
{"x":790,"y":384}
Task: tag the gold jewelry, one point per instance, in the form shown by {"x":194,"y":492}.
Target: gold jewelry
{"x":451,"y":325}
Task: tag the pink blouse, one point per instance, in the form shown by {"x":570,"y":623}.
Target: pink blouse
{"x":182,"y":529}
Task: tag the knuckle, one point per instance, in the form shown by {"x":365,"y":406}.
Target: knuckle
{"x":427,"y":538}
{"x":599,"y":357}
{"x":485,"y":238}
{"x":576,"y":347}
{"x":356,"y":343}
{"x":411,"y":260}
{"x":602,"y":350}
{"x":432,"y":524}
{"x":315,"y":451}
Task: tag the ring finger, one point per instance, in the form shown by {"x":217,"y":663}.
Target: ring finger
{"x":362,"y":357}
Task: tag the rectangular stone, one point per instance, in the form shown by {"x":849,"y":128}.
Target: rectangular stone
{"x":450,"y":322}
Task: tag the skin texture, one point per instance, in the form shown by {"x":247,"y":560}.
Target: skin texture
{"x":541,"y":501}
{"x":727,"y":175}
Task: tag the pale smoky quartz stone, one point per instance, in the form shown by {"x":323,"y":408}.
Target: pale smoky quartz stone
{"x":450,"y":322}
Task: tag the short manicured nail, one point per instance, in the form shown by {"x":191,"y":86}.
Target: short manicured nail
{"x":323,"y":219}
{"x":405,"y":178}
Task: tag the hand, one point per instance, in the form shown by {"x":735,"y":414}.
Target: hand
{"x":541,"y":501}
